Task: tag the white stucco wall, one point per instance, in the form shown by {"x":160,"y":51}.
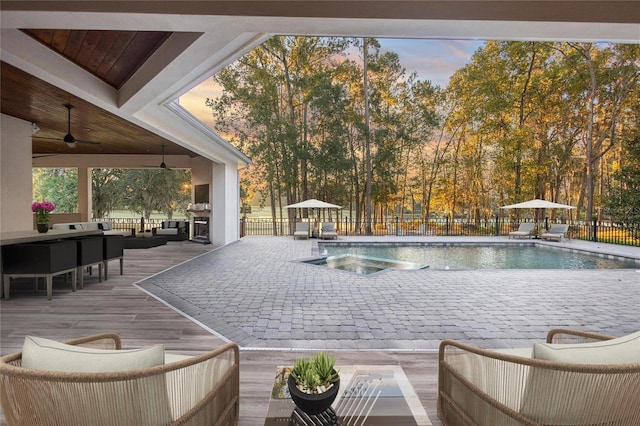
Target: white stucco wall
{"x":226,"y":204}
{"x":15,"y":175}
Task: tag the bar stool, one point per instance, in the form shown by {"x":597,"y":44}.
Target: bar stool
{"x":90,"y":253}
{"x":42,"y":259}
{"x":113,"y":248}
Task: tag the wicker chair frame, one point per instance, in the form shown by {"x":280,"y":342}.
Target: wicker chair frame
{"x":484,"y":387}
{"x":201,"y":390}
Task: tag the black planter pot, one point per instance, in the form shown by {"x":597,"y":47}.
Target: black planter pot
{"x":312,"y":403}
{"x":42,"y":227}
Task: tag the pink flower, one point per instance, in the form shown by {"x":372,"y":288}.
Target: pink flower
{"x":43,"y":206}
{"x":42,"y":209}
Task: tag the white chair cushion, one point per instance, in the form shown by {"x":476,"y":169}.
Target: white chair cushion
{"x":44,"y":354}
{"x":623,"y":350}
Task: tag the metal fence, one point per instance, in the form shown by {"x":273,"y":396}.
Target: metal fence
{"x":128,"y":224}
{"x":606,"y":232}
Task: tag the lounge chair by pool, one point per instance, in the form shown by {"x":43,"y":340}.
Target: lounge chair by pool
{"x":556,"y":232}
{"x":302,"y":230}
{"x":525,"y":230}
{"x":328,"y":231}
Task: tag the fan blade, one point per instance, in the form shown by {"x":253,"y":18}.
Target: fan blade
{"x":46,"y":139}
{"x":87,"y":142}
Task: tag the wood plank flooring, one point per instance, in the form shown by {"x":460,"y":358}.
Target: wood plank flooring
{"x":116,"y":305}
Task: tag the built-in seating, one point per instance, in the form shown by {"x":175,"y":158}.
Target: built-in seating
{"x":174,"y":230}
{"x":103,"y":226}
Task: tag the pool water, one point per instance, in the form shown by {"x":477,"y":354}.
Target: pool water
{"x":473,"y":256}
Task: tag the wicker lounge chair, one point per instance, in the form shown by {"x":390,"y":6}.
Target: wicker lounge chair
{"x":525,"y":230}
{"x":198,"y":390}
{"x":556,"y":232}
{"x":549,"y":385}
{"x":302,"y":230}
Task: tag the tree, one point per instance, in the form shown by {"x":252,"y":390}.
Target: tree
{"x":58,"y":185}
{"x":107,"y":191}
{"x":148,"y":190}
{"x":624,"y":195}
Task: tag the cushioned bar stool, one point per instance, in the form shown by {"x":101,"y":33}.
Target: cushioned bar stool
{"x":42,"y":259}
{"x":112,"y":248}
{"x":90,"y":253}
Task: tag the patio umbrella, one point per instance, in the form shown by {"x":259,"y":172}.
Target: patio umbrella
{"x":538,"y":204}
{"x":312,"y":203}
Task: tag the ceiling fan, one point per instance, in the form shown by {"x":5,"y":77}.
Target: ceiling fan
{"x":162,"y":165}
{"x":68,"y":138}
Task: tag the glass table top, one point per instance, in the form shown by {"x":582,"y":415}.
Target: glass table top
{"x":369,"y":395}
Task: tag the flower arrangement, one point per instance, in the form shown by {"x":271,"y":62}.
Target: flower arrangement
{"x":42,"y":210}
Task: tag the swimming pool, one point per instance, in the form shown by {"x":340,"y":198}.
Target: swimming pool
{"x":456,"y":256}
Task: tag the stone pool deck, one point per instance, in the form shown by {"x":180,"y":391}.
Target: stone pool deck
{"x":256,"y":292}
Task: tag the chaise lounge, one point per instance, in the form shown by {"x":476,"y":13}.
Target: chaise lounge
{"x":595,"y":382}
{"x":328,"y":230}
{"x":556,"y":232}
{"x":525,"y":230}
{"x":302,"y":230}
{"x":92,"y":381}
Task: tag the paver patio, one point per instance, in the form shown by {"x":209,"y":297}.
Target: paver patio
{"x":256,"y":293}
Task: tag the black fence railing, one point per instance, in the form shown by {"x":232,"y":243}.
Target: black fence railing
{"x":606,"y":232}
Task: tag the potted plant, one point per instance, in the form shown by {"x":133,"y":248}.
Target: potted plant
{"x":314,"y":383}
{"x":42,"y":209}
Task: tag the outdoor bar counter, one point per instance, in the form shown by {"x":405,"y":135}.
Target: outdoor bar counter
{"x":32,"y":236}
{"x":19,"y":237}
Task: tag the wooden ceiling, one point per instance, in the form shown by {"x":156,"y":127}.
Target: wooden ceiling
{"x":112,"y":56}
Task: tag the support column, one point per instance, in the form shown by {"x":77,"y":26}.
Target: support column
{"x":225,"y":204}
{"x":85,"y":206}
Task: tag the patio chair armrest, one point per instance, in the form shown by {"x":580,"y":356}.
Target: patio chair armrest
{"x":478,"y":386}
{"x":108,"y":341}
{"x":562,"y":335}
{"x":205,"y":389}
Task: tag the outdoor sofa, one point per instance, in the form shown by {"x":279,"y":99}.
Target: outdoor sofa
{"x":174,"y":230}
{"x":594,"y":382}
{"x":103,"y":226}
{"x":92,"y":381}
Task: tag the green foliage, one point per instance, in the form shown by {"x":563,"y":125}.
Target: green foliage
{"x":515,"y":123}
{"x":623,"y":203}
{"x":141,"y":190}
{"x":316,"y":372}
{"x":107,"y":191}
{"x":58,"y":185}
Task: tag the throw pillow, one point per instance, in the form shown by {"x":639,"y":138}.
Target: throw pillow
{"x":44,"y":354}
{"x":622,"y":350}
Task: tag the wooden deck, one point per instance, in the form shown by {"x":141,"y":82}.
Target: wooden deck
{"x":116,"y":305}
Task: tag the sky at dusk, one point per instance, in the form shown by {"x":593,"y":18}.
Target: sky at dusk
{"x":433,"y":60}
